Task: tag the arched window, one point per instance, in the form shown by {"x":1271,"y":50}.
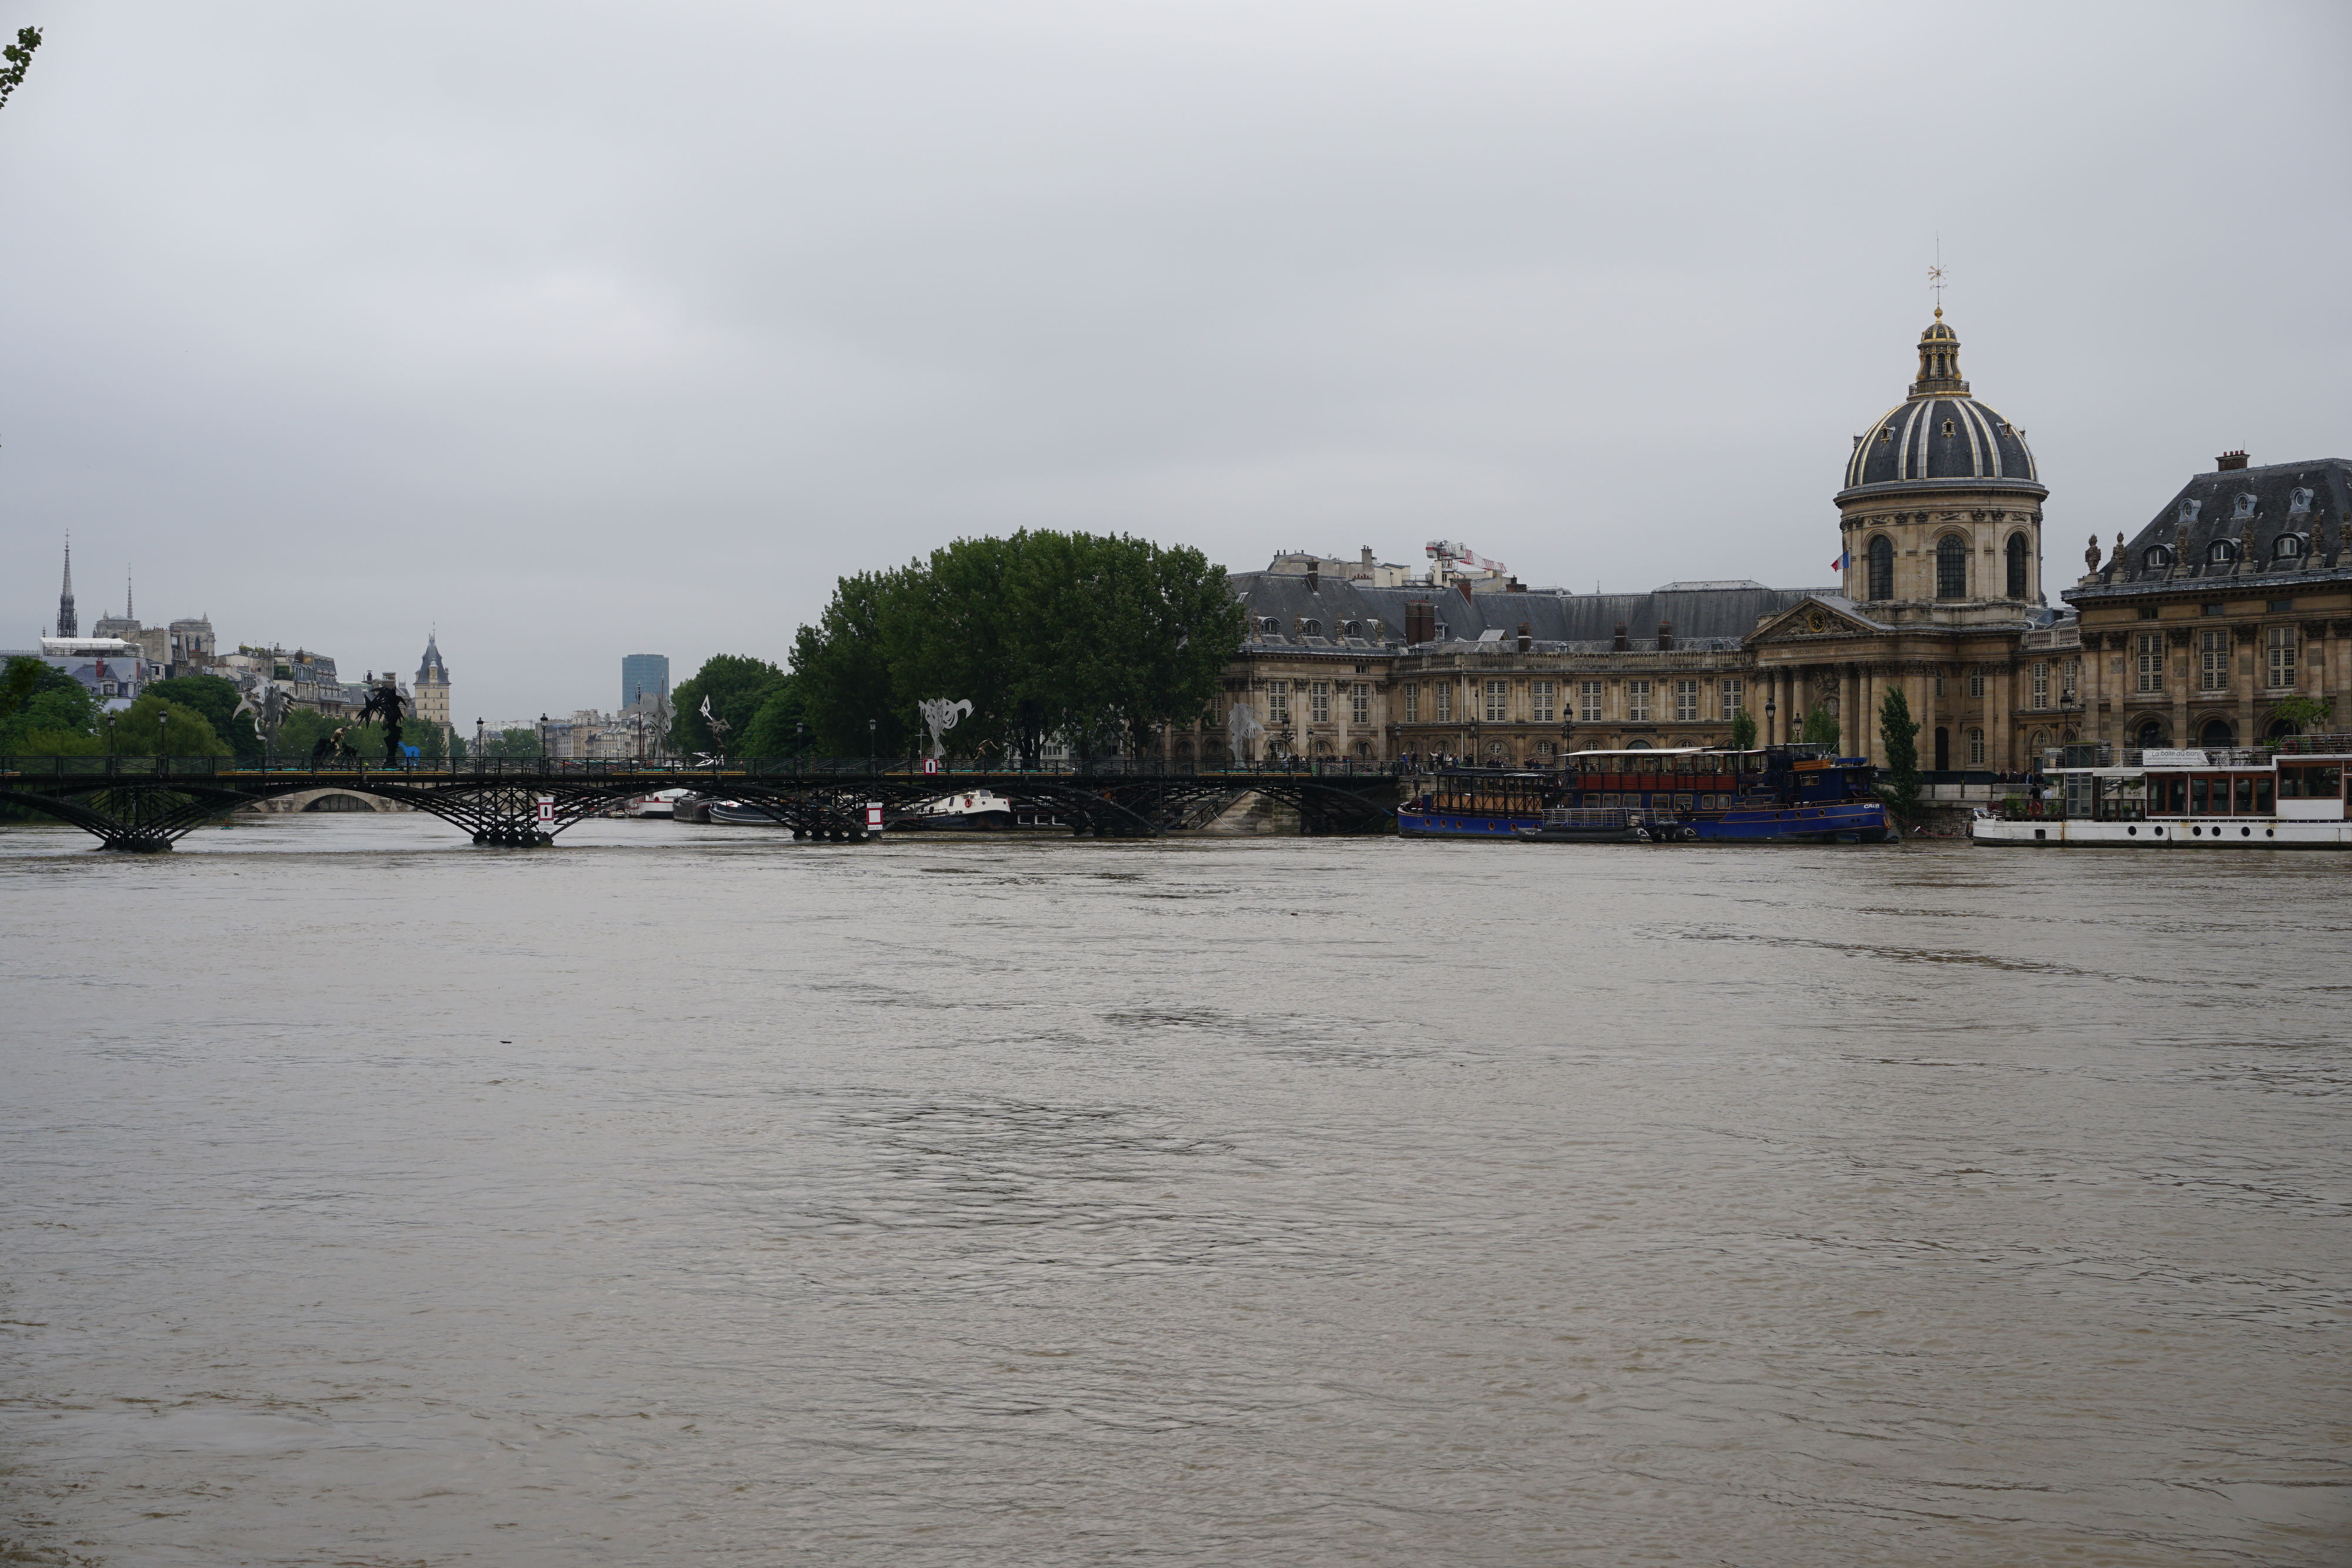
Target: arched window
{"x":2158,"y":557}
{"x":1310,"y":628}
{"x":1351,"y":629}
{"x":2297,"y":502}
{"x":2287,"y":547}
{"x":1269,"y":625}
{"x":1951,"y":567}
{"x":2217,"y":733}
{"x":2152,"y":733}
{"x":1881,"y":568}
{"x":2017,"y":572}
{"x":2245,"y":507}
{"x":2221,"y":552}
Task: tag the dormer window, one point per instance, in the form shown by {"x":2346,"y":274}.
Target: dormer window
{"x":2245,"y":506}
{"x":2287,"y":547}
{"x":1310,"y":628}
{"x":2157,"y":558}
{"x":1351,"y":629}
{"x":2221,"y":552}
{"x":2297,"y":502}
{"x":2187,"y":513}
{"x":1270,"y":626}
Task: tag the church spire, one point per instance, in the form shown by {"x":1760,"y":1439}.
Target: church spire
{"x":129,"y":612}
{"x":68,"y":626}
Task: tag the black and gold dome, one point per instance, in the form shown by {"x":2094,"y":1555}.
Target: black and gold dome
{"x":1939,"y":434}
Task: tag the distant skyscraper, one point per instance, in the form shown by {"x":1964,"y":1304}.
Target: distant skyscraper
{"x":643,"y":676}
{"x":68,"y":626}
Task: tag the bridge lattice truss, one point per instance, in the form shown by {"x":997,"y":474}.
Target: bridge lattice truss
{"x":151,"y":810}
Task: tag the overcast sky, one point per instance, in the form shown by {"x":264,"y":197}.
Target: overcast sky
{"x":583,"y":330}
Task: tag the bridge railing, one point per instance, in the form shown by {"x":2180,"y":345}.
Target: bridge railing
{"x":657,"y":775}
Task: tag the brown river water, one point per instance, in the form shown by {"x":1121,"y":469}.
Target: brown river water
{"x":687,"y":1196}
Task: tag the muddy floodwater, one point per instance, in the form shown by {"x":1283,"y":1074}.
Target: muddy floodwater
{"x":687,"y":1196}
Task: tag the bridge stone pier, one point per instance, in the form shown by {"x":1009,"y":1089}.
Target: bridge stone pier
{"x":146,"y":804}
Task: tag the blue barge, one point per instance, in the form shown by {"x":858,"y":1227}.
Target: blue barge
{"x":1777,"y":794}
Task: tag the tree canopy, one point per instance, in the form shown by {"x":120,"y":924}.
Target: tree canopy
{"x":736,"y":686}
{"x":1901,"y":733}
{"x":1098,"y":639}
{"x":216,"y":697}
{"x":41,"y":706}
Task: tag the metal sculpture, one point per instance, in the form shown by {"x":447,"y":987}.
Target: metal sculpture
{"x":385,"y":703}
{"x":940,"y":715}
{"x":266,"y":703}
{"x":1241,"y":727}
{"x":718,"y":726}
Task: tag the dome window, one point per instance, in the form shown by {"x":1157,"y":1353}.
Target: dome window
{"x":2157,"y":557}
{"x":1951,"y":567}
{"x":2017,"y":572}
{"x":1887,"y":434}
{"x":2187,"y":513}
{"x":2287,"y":547}
{"x":1881,"y":568}
{"x":2245,"y":506}
{"x":2220,"y":552}
{"x":2298,"y":503}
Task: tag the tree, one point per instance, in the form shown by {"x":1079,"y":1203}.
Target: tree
{"x":1743,"y":731}
{"x":1901,"y":733}
{"x":1820,"y":729}
{"x":735,"y":686}
{"x":514,"y":743}
{"x":41,"y":706}
{"x":780,"y":727}
{"x":843,"y":664}
{"x":216,"y":699}
{"x":2303,"y":713}
{"x":20,"y":55}
{"x":182,"y":732}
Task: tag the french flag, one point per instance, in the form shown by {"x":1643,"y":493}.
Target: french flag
{"x":1839,"y":564}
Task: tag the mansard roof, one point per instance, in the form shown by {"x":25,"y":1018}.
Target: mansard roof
{"x":2248,"y":511}
{"x":1698,"y":612}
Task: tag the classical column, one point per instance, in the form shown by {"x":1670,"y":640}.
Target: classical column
{"x":1998,"y":692}
{"x":2257,"y":677}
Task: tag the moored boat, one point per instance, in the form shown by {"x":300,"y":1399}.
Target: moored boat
{"x":2233,"y":797}
{"x":1779,"y":794}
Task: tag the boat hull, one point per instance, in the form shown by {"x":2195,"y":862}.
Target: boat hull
{"x":1462,"y":825}
{"x":2183,"y":832}
{"x":1859,"y":821}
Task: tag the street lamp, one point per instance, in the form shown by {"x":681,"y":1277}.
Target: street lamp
{"x":480,"y":730}
{"x":162,"y":718}
{"x":110,"y":734}
{"x":869,"y":746}
{"x":1567,"y":729}
{"x":542,"y":738}
{"x":1771,"y":735}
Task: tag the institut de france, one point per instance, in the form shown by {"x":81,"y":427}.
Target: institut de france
{"x":2236,"y":597}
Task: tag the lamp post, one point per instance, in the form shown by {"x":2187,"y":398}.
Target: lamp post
{"x":542,"y":738}
{"x":110,"y":734}
{"x":1771,"y":735}
{"x":1476,"y":760}
{"x":869,"y":746}
{"x":1567,"y":730}
{"x":480,"y":730}
{"x":162,"y":718}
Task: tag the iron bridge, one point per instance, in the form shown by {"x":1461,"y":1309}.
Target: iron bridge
{"x":145,"y":804}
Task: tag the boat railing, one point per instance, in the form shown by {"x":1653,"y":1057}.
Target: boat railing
{"x":1607,"y":817}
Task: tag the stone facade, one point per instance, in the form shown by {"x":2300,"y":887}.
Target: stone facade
{"x":2234,"y":601}
{"x":1940,"y":595}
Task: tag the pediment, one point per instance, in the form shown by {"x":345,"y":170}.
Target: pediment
{"x":1811,"y":620}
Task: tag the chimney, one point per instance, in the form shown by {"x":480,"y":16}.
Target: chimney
{"x":1368,"y":563}
{"x":1513,"y":585}
{"x":2229,"y":460}
{"x":1314,"y":578}
{"x":1665,"y":636}
{"x":1420,"y":621}
{"x":1463,"y":584}
{"x":1620,"y":644}
{"x":1527,"y":643}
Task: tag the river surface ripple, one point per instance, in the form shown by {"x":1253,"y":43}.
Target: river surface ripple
{"x":687,"y":1196}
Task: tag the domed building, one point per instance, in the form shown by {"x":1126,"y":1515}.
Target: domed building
{"x":1940,"y":513}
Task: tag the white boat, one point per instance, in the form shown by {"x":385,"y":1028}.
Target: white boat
{"x":2290,"y":798}
{"x":967,"y":809}
{"x":660,"y":803}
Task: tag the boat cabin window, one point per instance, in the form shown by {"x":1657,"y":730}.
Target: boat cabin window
{"x":2310,"y":781}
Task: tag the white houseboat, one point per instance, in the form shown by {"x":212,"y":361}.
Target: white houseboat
{"x":2287,"y":798}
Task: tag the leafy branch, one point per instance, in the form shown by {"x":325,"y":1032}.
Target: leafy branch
{"x":19,"y":55}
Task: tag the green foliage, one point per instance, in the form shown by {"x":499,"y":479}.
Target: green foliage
{"x":216,"y":699}
{"x":2304,"y":712}
{"x":1743,"y":731}
{"x":182,"y":732}
{"x":778,"y":728}
{"x":736,"y":686}
{"x":20,"y":55}
{"x":39,"y":700}
{"x":1900,"y":732}
{"x":1820,"y":729}
{"x":1099,"y":639}
{"x":514,"y":743}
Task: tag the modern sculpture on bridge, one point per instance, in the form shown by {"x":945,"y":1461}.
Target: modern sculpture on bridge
{"x":940,"y":715}
{"x":385,"y":703}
